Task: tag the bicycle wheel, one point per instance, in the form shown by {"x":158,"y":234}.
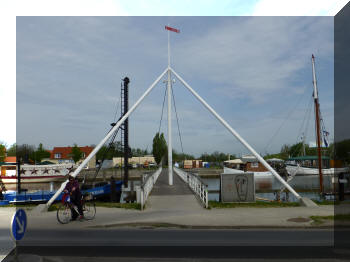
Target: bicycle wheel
{"x":63,"y":214}
{"x":89,"y":210}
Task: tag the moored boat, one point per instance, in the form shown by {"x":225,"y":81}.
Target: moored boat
{"x":34,"y":173}
{"x":42,"y":196}
{"x":318,"y":164}
{"x":308,"y":165}
{"x":263,"y":178}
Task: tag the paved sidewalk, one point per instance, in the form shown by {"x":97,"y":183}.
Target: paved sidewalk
{"x":185,"y":214}
{"x":6,"y":242}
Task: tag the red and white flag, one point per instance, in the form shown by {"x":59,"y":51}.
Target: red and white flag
{"x":172,"y":29}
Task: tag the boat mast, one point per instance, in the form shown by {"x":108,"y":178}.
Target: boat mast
{"x":317,"y":119}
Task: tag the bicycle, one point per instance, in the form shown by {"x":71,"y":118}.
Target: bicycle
{"x":64,"y":210}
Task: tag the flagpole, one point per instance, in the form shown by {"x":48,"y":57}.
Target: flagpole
{"x":168,"y":48}
{"x":170,"y":149}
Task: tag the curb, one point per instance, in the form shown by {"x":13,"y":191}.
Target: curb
{"x":156,"y":225}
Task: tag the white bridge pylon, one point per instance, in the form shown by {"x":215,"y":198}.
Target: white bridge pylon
{"x":240,"y":139}
{"x":169,"y":70}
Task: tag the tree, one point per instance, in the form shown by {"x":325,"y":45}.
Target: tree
{"x":178,"y":157}
{"x":330,"y":151}
{"x":296,"y":149}
{"x":284,"y":154}
{"x":216,"y":157}
{"x":25,"y":153}
{"x":11,"y":151}
{"x":76,"y":153}
{"x":342,"y":150}
{"x":159,"y":148}
{"x":278,"y":155}
{"x":40,"y":153}
{"x":110,"y":150}
{"x":2,"y":152}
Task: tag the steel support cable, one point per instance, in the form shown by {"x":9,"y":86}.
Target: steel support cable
{"x":177,"y":120}
{"x":285,"y":120}
{"x":110,"y":144}
{"x":161,"y":116}
{"x":117,"y":107}
{"x":323,"y":128}
{"x":110,"y":141}
{"x":315,"y":126}
{"x":304,"y":123}
{"x":308,"y":120}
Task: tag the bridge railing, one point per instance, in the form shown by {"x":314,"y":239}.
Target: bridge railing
{"x":195,"y":183}
{"x":147,"y":186}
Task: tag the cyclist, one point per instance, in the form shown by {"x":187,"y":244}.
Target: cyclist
{"x":72,"y":188}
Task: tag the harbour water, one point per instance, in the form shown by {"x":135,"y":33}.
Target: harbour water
{"x":213,"y":188}
{"x":35,"y":186}
{"x":214,"y":185}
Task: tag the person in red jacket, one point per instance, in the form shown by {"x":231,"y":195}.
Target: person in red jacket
{"x":72,"y":188}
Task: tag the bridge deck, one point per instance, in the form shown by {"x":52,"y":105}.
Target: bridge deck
{"x":176,"y":197}
{"x":162,"y":185}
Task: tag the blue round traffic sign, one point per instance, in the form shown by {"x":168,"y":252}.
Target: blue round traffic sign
{"x":18,"y":224}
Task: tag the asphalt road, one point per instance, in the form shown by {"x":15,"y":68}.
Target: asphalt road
{"x":177,"y":237}
{"x":146,"y":242}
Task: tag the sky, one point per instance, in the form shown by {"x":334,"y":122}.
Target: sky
{"x":254,"y":71}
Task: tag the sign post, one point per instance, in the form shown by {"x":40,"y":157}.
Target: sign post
{"x":18,"y":224}
{"x":18,"y":227}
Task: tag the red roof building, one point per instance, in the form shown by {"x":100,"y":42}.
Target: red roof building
{"x":64,"y":153}
{"x":10,"y":159}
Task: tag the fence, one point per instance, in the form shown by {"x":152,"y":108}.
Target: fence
{"x":146,"y":187}
{"x":195,"y":183}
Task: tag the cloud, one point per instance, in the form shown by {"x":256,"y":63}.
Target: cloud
{"x":64,"y":7}
{"x":187,"y":8}
{"x":9,"y":11}
{"x":255,"y":57}
{"x":233,"y":7}
{"x":69,"y":72}
{"x":298,"y":7}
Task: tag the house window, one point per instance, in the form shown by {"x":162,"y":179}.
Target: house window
{"x":255,"y":164}
{"x":83,"y":155}
{"x":58,"y":155}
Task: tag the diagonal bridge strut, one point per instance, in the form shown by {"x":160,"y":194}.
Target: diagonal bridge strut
{"x":168,"y":71}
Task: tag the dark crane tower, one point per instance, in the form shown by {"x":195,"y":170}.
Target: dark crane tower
{"x":125,"y":128}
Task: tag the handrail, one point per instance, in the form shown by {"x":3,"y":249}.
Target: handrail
{"x":195,"y":183}
{"x":147,"y":186}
